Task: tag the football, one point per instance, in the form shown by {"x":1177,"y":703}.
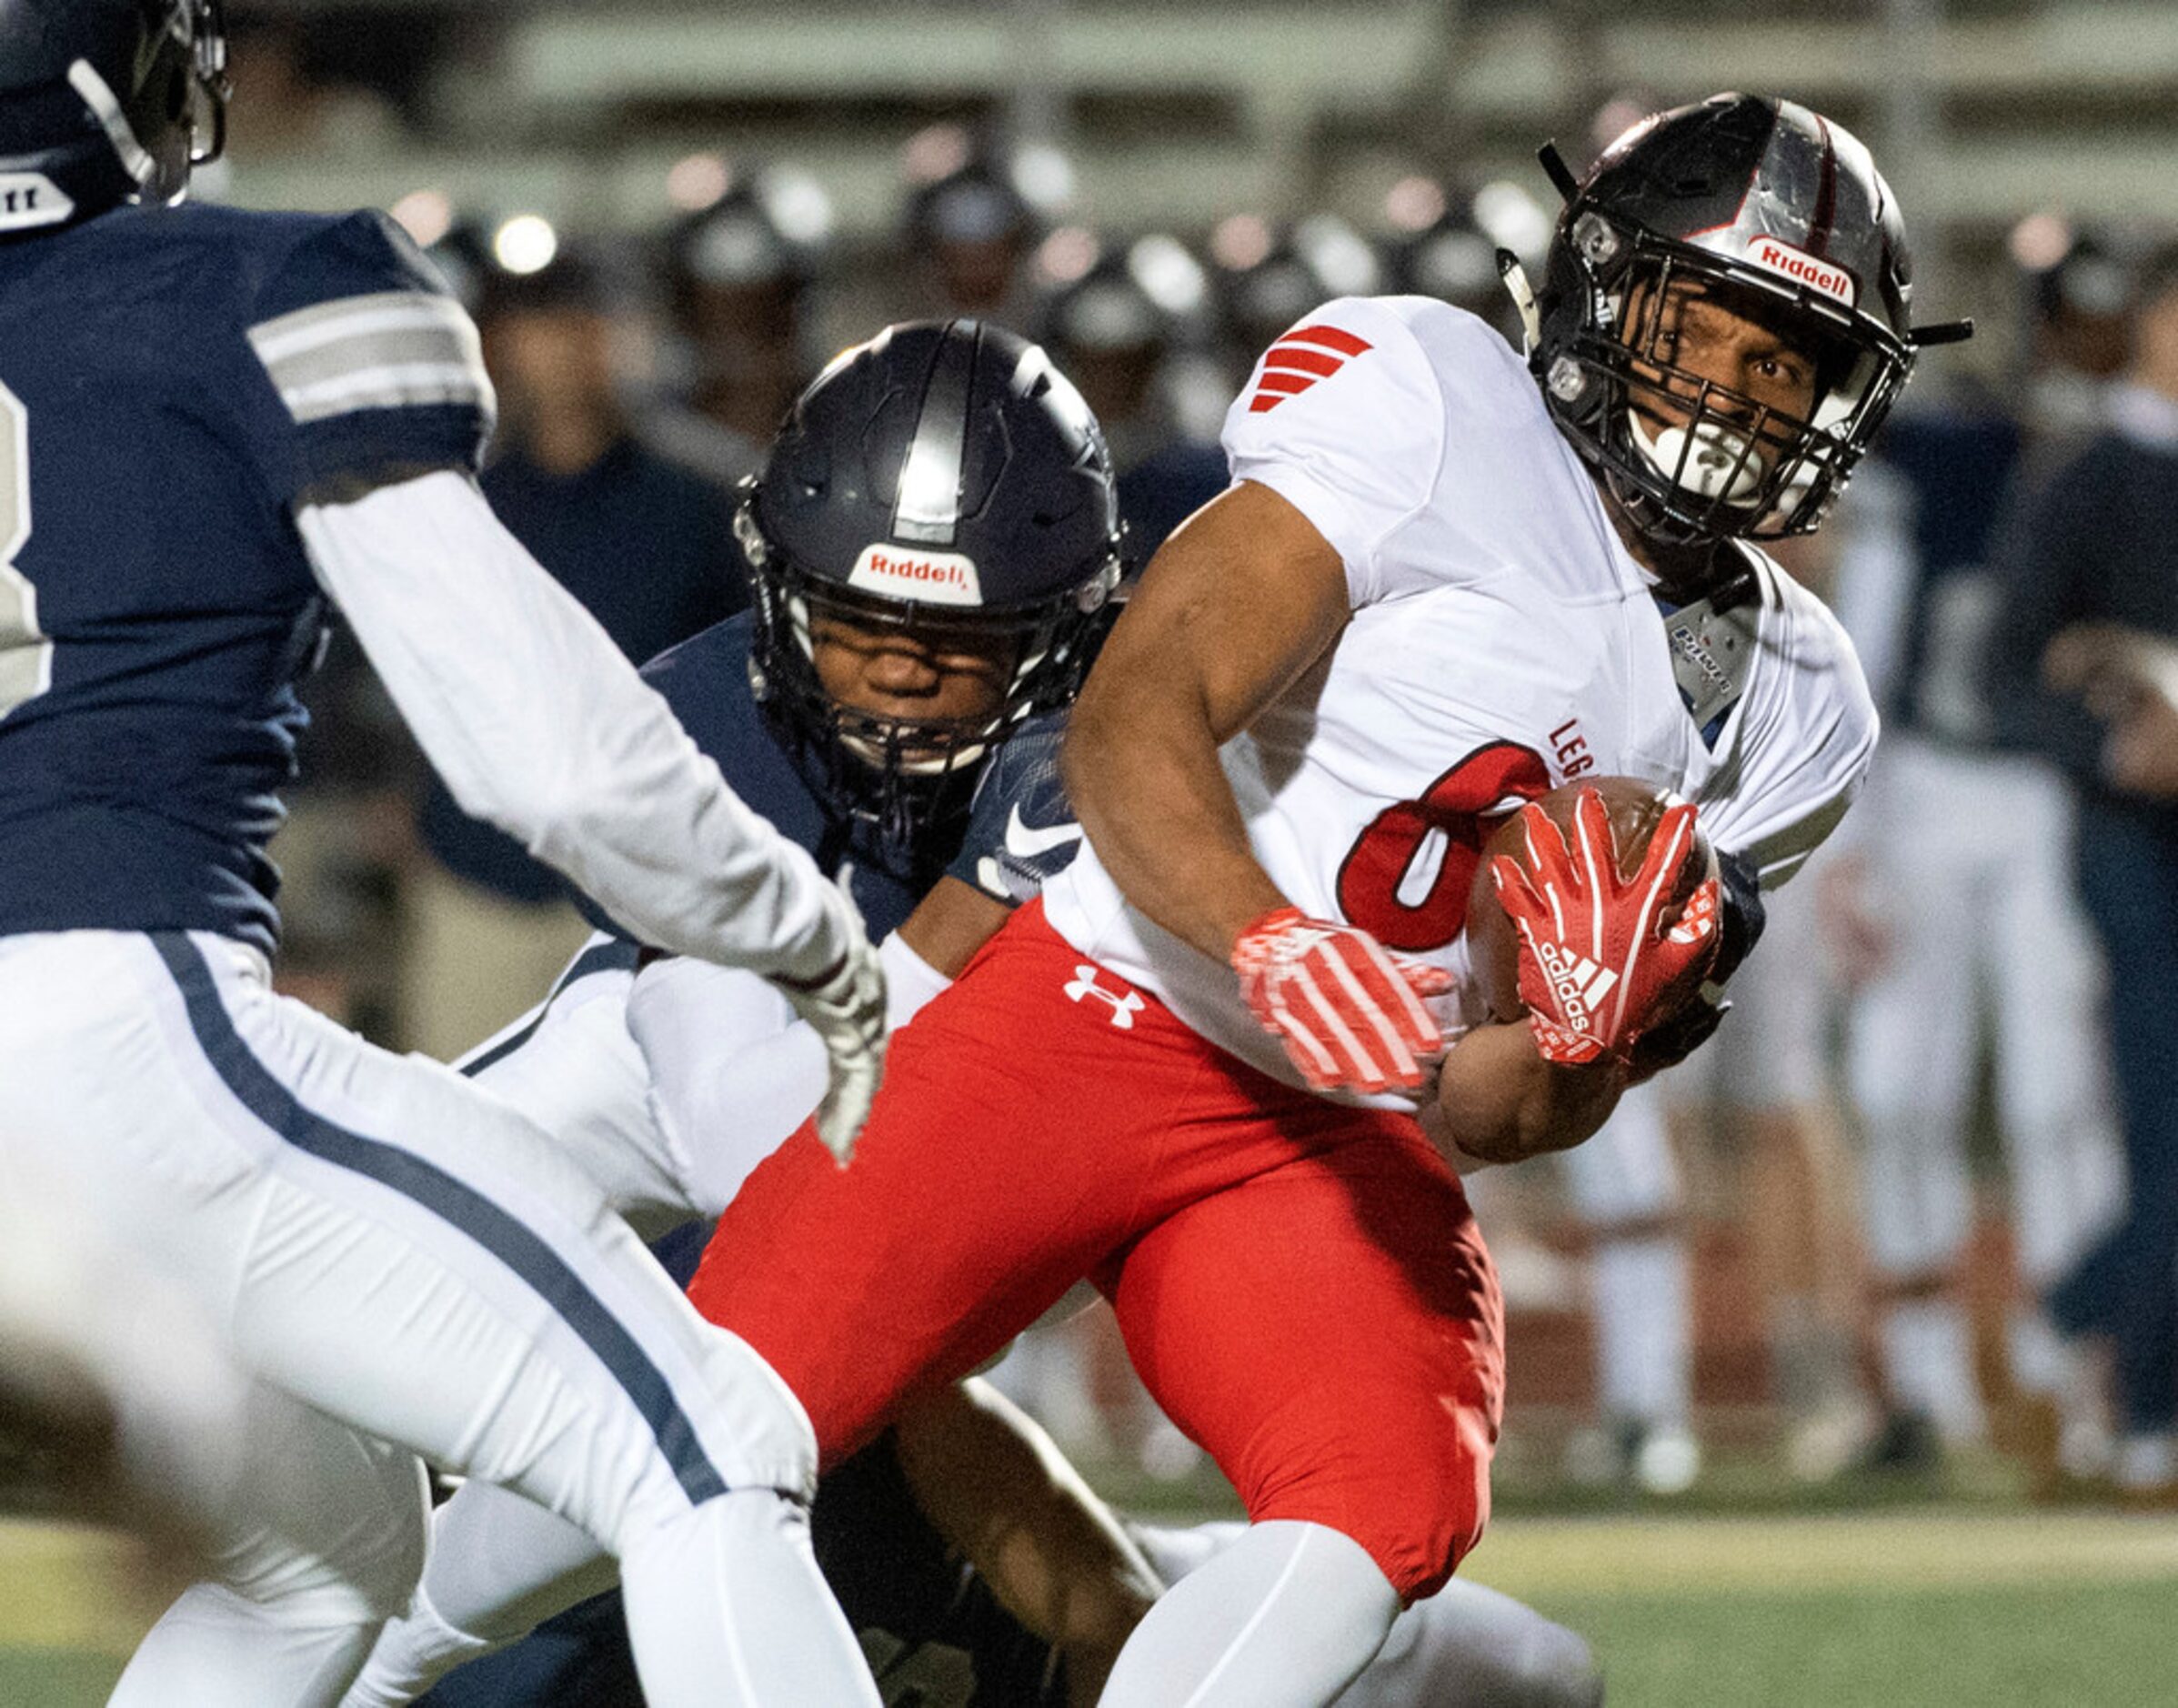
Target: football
{"x":1635,"y":807}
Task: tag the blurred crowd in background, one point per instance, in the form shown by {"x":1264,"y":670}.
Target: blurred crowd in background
{"x":1916,"y":1205}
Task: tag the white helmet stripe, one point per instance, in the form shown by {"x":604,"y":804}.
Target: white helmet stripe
{"x":84,"y":78}
{"x":927,"y":506}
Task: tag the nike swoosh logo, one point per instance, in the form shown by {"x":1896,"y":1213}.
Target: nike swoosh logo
{"x":1024,"y":843}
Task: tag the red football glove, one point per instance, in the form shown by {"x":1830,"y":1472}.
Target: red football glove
{"x":1597,"y":965}
{"x":1348,"y":1012}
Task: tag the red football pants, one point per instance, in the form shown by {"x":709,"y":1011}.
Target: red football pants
{"x":1301,"y":1284}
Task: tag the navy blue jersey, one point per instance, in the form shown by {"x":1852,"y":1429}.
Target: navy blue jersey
{"x":1015,"y":834}
{"x":172,"y":381}
{"x":1958,"y":468}
{"x":1166,"y":488}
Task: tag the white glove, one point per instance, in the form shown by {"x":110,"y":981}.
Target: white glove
{"x":845,"y":1007}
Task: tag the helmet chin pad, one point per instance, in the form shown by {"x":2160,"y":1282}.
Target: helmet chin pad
{"x":1709,"y":460}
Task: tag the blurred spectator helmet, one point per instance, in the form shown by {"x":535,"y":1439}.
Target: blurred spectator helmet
{"x":1268,"y":278}
{"x":1140,"y":297}
{"x":965,"y":190}
{"x":1446,"y":241}
{"x":2076,"y":289}
{"x":103,"y":101}
{"x":772,"y":227}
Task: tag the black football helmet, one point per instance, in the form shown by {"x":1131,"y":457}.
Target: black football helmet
{"x":943,"y":474}
{"x":1766,"y":206}
{"x":103,"y":101}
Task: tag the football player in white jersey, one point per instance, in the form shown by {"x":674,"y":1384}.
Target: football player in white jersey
{"x":1191,"y":1071}
{"x":667,"y":1084}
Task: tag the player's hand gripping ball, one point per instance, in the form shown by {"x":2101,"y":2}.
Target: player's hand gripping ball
{"x":1595,"y":913}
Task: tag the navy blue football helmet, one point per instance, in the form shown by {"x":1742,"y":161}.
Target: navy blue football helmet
{"x":943,"y":475}
{"x":103,"y":101}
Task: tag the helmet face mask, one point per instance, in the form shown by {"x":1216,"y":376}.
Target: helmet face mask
{"x":1692,"y":456}
{"x":900,"y":773}
{"x":212,"y":90}
{"x":1022,"y":581}
{"x":1774,"y":217}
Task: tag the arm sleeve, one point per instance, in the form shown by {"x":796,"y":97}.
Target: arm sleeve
{"x":361,"y":360}
{"x":729,"y":1063}
{"x":540,"y":726}
{"x":1344,"y":419}
{"x":2041,"y":557}
{"x":1021,"y":833}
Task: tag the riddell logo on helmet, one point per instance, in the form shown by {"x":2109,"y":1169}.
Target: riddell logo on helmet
{"x":938,"y":577}
{"x":1796,"y":264}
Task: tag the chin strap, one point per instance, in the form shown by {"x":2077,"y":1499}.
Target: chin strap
{"x":1515,"y":279}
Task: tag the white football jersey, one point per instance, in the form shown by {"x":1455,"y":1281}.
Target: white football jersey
{"x":1502,"y":643}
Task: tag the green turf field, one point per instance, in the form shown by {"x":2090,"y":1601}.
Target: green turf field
{"x":1889,"y":1611}
{"x":1892,"y":1609}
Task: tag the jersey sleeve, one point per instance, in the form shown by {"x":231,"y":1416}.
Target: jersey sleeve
{"x":1022,"y":832}
{"x":1810,"y":743}
{"x":1343,"y":417}
{"x":361,"y":360}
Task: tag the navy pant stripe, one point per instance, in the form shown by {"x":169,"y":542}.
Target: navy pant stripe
{"x":459,"y":1205}
{"x":619,"y":953}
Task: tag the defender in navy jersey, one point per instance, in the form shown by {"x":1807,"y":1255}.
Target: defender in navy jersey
{"x":933,"y":540}
{"x":212,"y":424}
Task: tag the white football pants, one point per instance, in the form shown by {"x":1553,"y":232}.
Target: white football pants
{"x":91,"y":1341}
{"x":667,"y":1092}
{"x":406,"y":1255}
{"x":572,"y":1067}
{"x":1770,"y":1051}
{"x":1625,"y":1185}
{"x":1969,"y":860}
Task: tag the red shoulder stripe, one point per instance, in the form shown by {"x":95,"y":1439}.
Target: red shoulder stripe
{"x":1302,"y":359}
{"x":1330,"y":337}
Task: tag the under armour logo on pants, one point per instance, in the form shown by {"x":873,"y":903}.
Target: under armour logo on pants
{"x":1125,"y":1005}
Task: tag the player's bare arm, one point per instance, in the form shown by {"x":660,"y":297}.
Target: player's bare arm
{"x":1239,"y":602}
{"x":1498,"y":1101}
{"x":997,"y":1487}
{"x":951,"y":923}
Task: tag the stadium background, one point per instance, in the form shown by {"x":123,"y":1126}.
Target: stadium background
{"x":2001,"y":123}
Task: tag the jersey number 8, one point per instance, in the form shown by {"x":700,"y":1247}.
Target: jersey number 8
{"x":25,"y":655}
{"x":1390,"y":861}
